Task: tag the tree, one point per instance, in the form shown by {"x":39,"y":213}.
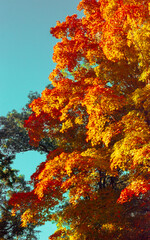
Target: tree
{"x":13,"y":135}
{"x":97,"y":180}
{"x":14,"y":139}
{"x":10,"y":225}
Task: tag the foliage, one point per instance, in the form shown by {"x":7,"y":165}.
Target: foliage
{"x":14,"y":139}
{"x":13,"y":135}
{"x":97,"y":180}
{"x":10,"y":182}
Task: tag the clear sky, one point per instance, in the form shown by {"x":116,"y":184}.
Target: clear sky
{"x":26,"y":49}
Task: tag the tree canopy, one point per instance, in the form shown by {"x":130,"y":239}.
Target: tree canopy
{"x":95,"y":185}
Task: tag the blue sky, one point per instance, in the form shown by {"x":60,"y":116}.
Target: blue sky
{"x":26,"y":46}
{"x":26,"y":49}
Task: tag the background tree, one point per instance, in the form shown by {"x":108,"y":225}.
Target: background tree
{"x":98,"y":114}
{"x":14,"y":139}
{"x":10,"y":182}
{"x":13,"y":135}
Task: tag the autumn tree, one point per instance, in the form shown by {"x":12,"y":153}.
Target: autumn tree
{"x":97,"y":180}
